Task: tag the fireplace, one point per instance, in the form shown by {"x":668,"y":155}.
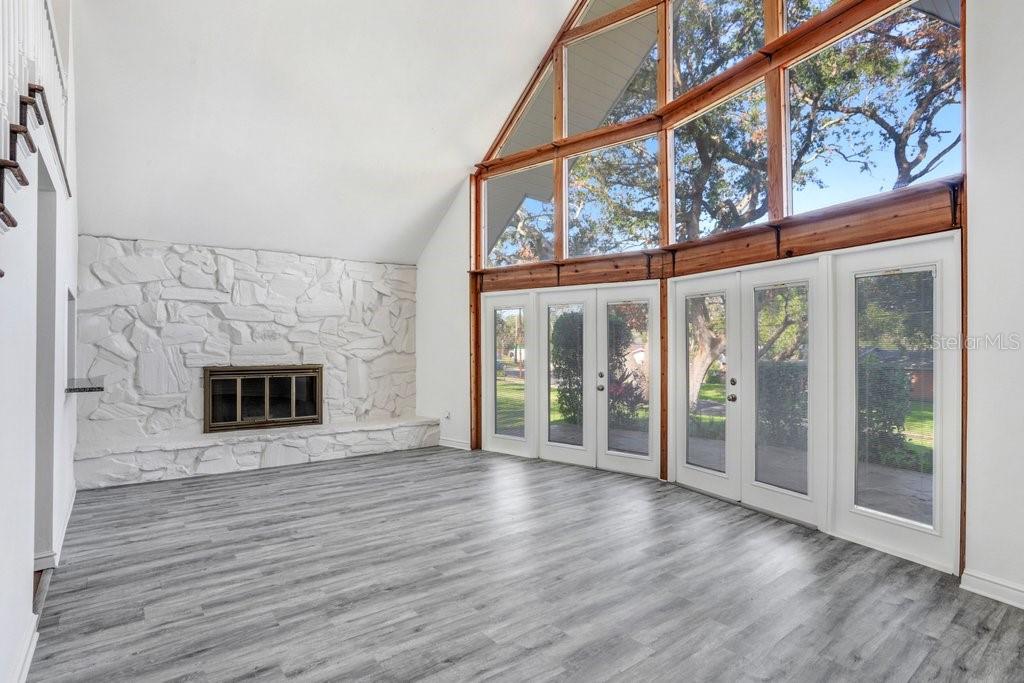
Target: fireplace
{"x":262,"y":396}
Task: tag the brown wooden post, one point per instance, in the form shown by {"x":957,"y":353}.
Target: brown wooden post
{"x":475,"y":429}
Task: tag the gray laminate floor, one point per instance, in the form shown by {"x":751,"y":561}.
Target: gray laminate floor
{"x":448,"y":565}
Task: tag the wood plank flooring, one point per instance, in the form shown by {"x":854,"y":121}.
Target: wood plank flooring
{"x":444,"y":565}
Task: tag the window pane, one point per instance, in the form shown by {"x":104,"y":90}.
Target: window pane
{"x":509,"y":372}
{"x":305,"y":396}
{"x":780,"y":440}
{"x":612,"y":76}
{"x":598,"y":8}
{"x":628,"y":378}
{"x":895,"y":395}
{"x":709,"y":37}
{"x":877,"y":111}
{"x":224,"y":400}
{"x":721,"y":166}
{"x":565,"y":374}
{"x":253,"y":398}
{"x":280,"y":397}
{"x":520,"y":216}
{"x":799,"y":11}
{"x":536,"y":124}
{"x":706,"y":388}
{"x":613,"y":199}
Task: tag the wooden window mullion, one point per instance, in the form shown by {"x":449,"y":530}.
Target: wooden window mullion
{"x":666,"y":180}
{"x":560,"y":171}
{"x":664,"y":54}
{"x":778,"y":128}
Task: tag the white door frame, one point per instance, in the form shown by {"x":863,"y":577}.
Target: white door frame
{"x":936,"y":546}
{"x":585,"y":455}
{"x":607,"y":459}
{"x":501,"y":443}
{"x":723,"y":484}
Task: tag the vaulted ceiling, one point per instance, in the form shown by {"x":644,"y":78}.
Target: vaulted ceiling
{"x":327,"y":127}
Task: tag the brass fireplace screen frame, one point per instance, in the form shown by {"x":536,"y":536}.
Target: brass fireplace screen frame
{"x":266,"y":372}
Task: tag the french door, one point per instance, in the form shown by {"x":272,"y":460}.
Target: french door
{"x":628,"y":379}
{"x":507,"y":371}
{"x":827,"y":391}
{"x":750,"y":349}
{"x":898,"y":400}
{"x":590,"y":397}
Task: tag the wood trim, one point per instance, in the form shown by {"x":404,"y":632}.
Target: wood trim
{"x":475,"y":381}
{"x":39,"y":90}
{"x":774,"y":19}
{"x":14,"y":168}
{"x":476,"y":237}
{"x":16,"y":130}
{"x":666,"y":190}
{"x":609,"y":20}
{"x":664,"y":83}
{"x":778,"y":143}
{"x":663,"y":385}
{"x":916,"y":210}
{"x":558,"y":129}
{"x":6,"y":216}
{"x":531,"y":85}
{"x":738,"y":248}
{"x":527,"y":276}
{"x":24,"y":104}
{"x":573,"y":145}
{"x":561,"y":223}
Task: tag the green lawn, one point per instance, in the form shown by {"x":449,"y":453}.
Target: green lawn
{"x":510,"y":404}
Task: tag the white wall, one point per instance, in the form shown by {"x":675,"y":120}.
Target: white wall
{"x":342,"y":125}
{"x":57,"y":239}
{"x":17,"y":427}
{"x":995,"y":243}
{"x":442,"y":324}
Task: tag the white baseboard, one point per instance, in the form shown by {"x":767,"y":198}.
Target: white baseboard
{"x":454,"y":443}
{"x":991,"y":587}
{"x":26,"y":662}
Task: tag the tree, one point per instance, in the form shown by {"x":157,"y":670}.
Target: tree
{"x":882,"y":89}
{"x":567,"y":364}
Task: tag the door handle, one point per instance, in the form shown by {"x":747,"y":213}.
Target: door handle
{"x":731,"y":398}
{"x":600,"y":387}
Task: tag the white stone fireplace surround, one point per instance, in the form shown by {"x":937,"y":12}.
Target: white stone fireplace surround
{"x":152,"y":314}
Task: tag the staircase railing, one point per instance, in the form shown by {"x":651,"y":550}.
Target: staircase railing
{"x":34,"y":87}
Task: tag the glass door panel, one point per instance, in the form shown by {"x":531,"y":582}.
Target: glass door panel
{"x":780,"y":446}
{"x":510,"y":372}
{"x":567,"y":390}
{"x":706,"y":370}
{"x":507,"y":373}
{"x":895,"y":322}
{"x":628,"y":379}
{"x":565,"y":374}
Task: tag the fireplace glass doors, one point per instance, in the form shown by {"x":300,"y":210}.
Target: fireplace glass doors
{"x":267,"y":396}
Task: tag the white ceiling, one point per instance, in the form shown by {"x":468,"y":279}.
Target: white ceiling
{"x":327,"y":127}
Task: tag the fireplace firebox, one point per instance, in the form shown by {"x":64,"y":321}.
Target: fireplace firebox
{"x":262,"y":396}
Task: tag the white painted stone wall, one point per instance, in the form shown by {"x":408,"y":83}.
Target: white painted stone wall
{"x":153,"y":314}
